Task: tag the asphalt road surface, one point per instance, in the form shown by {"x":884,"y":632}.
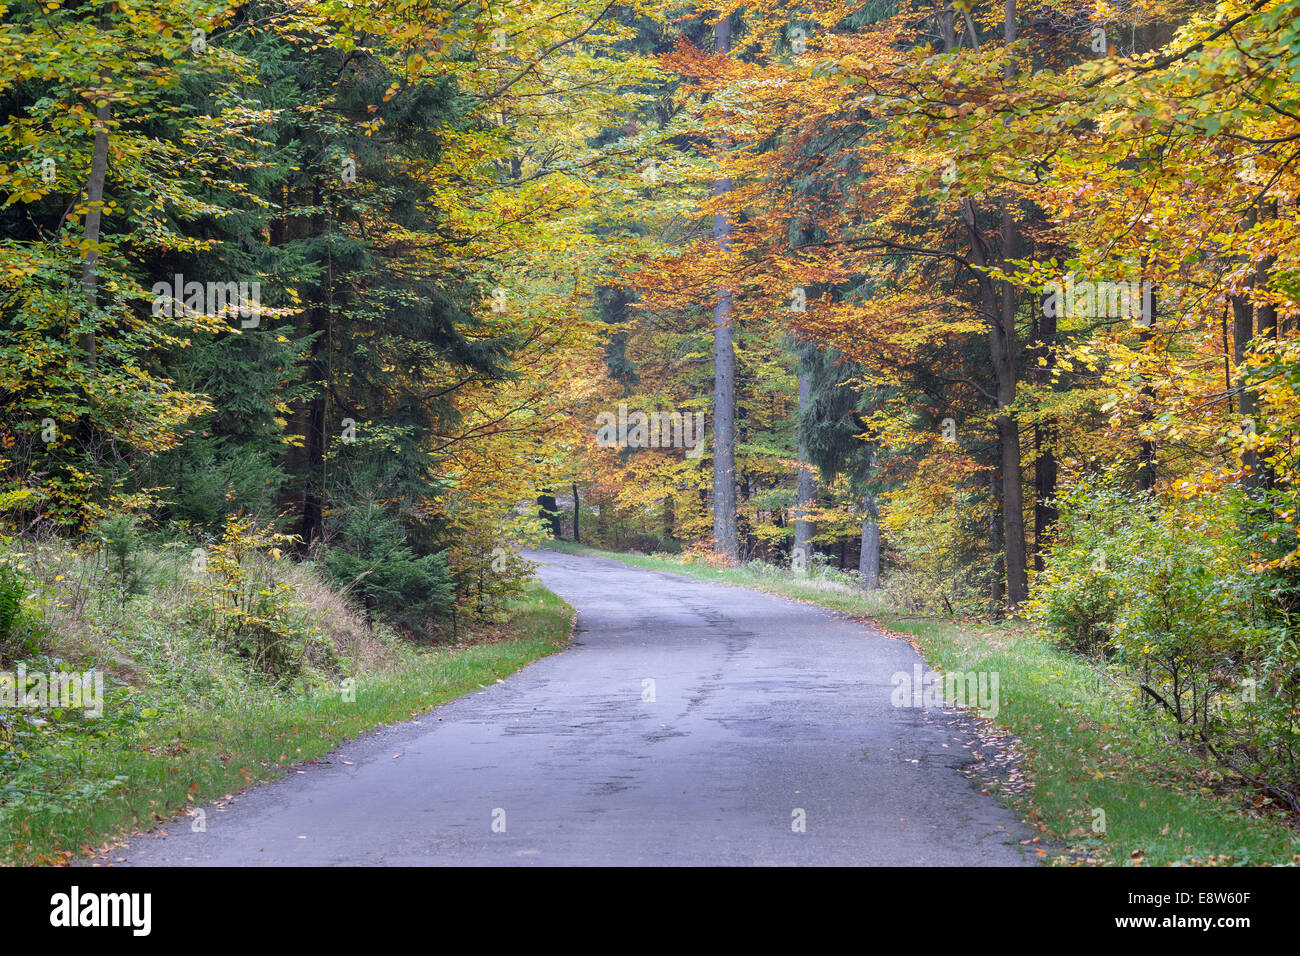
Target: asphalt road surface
{"x":690,"y":724}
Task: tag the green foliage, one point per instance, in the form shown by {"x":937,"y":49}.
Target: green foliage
{"x":1156,"y":584}
{"x":250,"y":610}
{"x":1076,"y":595}
{"x":1167,"y":589}
{"x":188,"y":719}
{"x":372,"y":559}
{"x":941,"y":561}
{"x":117,"y":537}
{"x":17,"y":633}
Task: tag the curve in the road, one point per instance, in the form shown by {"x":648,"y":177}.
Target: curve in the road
{"x":691,"y":723}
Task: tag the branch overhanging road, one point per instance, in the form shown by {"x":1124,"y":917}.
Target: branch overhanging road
{"x":764,"y":712}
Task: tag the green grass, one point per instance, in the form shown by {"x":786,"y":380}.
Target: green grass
{"x":1084,"y":747}
{"x":92,"y":789}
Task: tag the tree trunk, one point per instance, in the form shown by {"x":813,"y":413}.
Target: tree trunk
{"x":1045,"y":466}
{"x":1045,"y":474}
{"x":1000,"y":313}
{"x":1244,"y":318}
{"x":1013,"y":517}
{"x":1265,"y":328}
{"x":1243,"y":331}
{"x":803,"y":529}
{"x":94,"y":213}
{"x":1146,"y":476}
{"x":577,"y":535}
{"x":1004,"y":348}
{"x":998,"y":572}
{"x":548,"y":512}
{"x":999,"y":305}
{"x":869,"y":556}
{"x":946,"y":28}
{"x":312,"y":526}
{"x":725,"y":539}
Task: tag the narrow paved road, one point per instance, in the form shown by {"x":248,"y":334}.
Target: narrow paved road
{"x":691,"y":724}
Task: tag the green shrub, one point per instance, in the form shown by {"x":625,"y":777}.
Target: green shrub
{"x":1173,"y":591}
{"x":250,"y":610}
{"x":1077,"y":594}
{"x":18,"y":635}
{"x":938,"y":560}
{"x":213,"y":480}
{"x":118,"y":537}
{"x":373,"y":560}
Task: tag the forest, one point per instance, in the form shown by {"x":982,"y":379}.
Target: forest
{"x":988,"y":311}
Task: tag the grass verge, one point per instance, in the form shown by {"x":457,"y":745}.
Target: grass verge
{"x":1102,"y":783}
{"x":81,"y":795}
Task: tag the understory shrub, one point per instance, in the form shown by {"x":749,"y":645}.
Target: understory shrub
{"x":1177,"y":592}
{"x":17,"y":632}
{"x":372,"y":560}
{"x":251,"y":610}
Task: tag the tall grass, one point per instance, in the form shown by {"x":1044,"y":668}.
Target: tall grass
{"x":185,"y":720}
